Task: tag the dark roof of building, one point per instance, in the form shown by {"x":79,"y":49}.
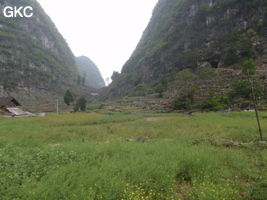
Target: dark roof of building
{"x":5,"y":100}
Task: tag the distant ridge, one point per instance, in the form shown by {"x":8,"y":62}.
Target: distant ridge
{"x":93,"y":75}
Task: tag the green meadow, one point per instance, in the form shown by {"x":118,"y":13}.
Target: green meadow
{"x":97,"y":156}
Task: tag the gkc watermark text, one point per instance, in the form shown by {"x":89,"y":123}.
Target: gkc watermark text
{"x":18,"y":12}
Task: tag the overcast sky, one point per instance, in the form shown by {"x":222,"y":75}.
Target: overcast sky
{"x":106,"y":31}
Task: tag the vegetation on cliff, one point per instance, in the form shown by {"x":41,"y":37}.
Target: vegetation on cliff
{"x":197,"y":35}
{"x":33,"y":54}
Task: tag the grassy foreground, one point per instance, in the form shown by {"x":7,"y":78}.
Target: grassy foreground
{"x":85,"y":156}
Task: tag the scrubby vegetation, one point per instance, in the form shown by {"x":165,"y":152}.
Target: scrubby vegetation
{"x":86,"y":156}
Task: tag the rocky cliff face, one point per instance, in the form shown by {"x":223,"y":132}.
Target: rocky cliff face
{"x":35,"y":60}
{"x":195,"y":34}
{"x":33,"y":54}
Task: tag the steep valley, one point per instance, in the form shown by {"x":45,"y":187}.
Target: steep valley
{"x":190,"y":51}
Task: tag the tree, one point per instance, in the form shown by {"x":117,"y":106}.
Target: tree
{"x":184,"y":76}
{"x":244,"y":43}
{"x":76,"y":108}
{"x":81,"y":104}
{"x":186,"y":99}
{"x":68,"y":98}
{"x":107,"y":81}
{"x":230,"y":57}
{"x":160,"y":89}
{"x":242,"y":90}
{"x":249,"y":69}
{"x":83,"y":78}
{"x":140,"y":90}
{"x":212,"y":102}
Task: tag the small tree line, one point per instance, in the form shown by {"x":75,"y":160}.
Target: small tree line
{"x":80,"y":103}
{"x":81,"y":79}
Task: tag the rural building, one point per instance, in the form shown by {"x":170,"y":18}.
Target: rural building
{"x":9,"y":107}
{"x":8,"y":102}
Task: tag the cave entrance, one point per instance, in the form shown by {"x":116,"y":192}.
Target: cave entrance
{"x":214,"y":64}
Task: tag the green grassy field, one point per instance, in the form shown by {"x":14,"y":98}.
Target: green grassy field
{"x":86,"y":156}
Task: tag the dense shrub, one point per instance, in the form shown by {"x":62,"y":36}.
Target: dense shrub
{"x":160,"y":89}
{"x":140,"y":90}
{"x":213,"y":103}
{"x":186,"y":100}
{"x":242,"y":90}
{"x":230,"y":57}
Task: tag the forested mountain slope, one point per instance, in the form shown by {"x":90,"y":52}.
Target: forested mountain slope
{"x":90,"y":71}
{"x":194,"y":35}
